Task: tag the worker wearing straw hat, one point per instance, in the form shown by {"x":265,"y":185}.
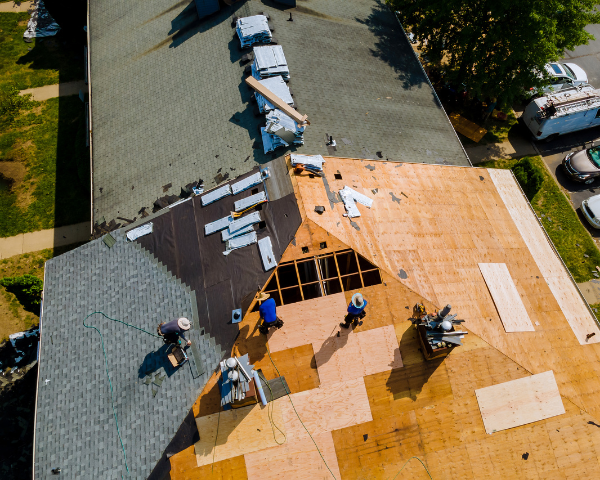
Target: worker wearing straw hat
{"x":268,"y":313}
{"x":356,"y":310}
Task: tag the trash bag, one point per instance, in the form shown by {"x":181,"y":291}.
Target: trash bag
{"x":41,"y":24}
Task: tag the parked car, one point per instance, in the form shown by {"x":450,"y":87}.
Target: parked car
{"x":564,"y":75}
{"x":569,"y":110}
{"x":590,"y":208}
{"x":583,"y":166}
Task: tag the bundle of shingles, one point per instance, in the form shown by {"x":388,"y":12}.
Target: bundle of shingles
{"x":269,"y":61}
{"x":253,"y":30}
{"x":278,"y":86}
{"x":280,"y":131}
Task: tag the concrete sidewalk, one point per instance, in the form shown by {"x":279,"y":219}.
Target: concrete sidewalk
{"x":16,"y":7}
{"x":512,"y":148}
{"x":58,"y":90}
{"x":35,"y":241}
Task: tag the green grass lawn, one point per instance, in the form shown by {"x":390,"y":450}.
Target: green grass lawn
{"x":45,"y":146}
{"x":561,"y":222}
{"x":29,"y":65}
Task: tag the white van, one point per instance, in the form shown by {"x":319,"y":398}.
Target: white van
{"x":563,"y":112}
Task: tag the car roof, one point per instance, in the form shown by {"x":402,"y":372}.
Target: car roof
{"x":555,"y":69}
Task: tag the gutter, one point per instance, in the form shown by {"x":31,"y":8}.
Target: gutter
{"x":89,"y":112}
{"x":433,"y":90}
{"x":37,"y":390}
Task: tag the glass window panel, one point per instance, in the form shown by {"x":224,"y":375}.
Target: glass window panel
{"x":347,"y":263}
{"x":371,"y":278}
{"x":327,"y":267}
{"x":308,"y":271}
{"x":351,"y":282}
{"x":287,"y":276}
{"x":312,"y":291}
{"x":332,"y":286}
{"x":291,"y":295}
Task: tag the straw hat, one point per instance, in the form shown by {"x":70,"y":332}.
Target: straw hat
{"x":263,"y":296}
{"x":357,"y":300}
{"x":183,"y":323}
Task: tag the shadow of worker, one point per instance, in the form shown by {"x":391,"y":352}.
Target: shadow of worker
{"x":333,"y":343}
{"x":154,"y":361}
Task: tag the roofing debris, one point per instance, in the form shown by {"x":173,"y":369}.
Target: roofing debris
{"x":41,"y":24}
{"x":250,"y":201}
{"x":216,"y":194}
{"x":284,"y":127}
{"x":253,"y":30}
{"x":266,"y":252}
{"x":351,"y":198}
{"x":247,"y":182}
{"x":316,"y":161}
{"x":269,"y":61}
{"x":242,"y":222}
{"x":239,"y":242}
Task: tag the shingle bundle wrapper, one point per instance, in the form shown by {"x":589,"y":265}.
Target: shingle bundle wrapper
{"x":310,"y":162}
{"x":269,"y":61}
{"x":350,"y":198}
{"x":253,"y":30}
{"x":286,"y":128}
{"x":278,"y":86}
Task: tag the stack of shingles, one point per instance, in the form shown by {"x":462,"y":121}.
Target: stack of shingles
{"x":253,"y":30}
{"x":278,"y":86}
{"x":239,"y":232}
{"x":269,"y":61}
{"x":280,"y":131}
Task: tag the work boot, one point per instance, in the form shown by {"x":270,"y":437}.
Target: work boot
{"x":263,"y":330}
{"x":345,"y":325}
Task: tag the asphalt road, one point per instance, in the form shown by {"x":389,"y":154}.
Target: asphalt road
{"x":588,"y":58}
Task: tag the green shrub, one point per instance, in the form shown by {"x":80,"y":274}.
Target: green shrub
{"x":529,"y":177}
{"x":11,"y":104}
{"x":27,"y":289}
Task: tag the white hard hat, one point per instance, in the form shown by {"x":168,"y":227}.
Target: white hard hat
{"x":357,"y":300}
{"x":446,"y":325}
{"x":183,"y":323}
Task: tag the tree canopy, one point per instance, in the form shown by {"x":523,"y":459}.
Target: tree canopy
{"x":497,"y":48}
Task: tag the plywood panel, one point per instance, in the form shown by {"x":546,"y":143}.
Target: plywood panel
{"x":572,"y":305}
{"x":506,"y":297}
{"x":311,"y":321}
{"x":325,"y":409}
{"x":296,"y":460}
{"x":184,"y":467}
{"x":519,"y":402}
{"x":354,"y":355}
{"x":238,"y":431}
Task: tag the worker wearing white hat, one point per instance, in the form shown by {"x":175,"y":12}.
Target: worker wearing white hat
{"x":356,"y":310}
{"x":173,"y":331}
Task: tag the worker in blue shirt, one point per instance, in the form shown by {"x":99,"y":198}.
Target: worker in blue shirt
{"x":173,"y":331}
{"x":356,"y":310}
{"x":268,"y":313}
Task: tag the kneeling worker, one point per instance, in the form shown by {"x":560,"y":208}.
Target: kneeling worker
{"x":268,"y":313}
{"x":356,"y":310}
{"x":173,"y":331}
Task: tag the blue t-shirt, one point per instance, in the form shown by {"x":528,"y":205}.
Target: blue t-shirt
{"x":356,"y":311}
{"x":267,"y":311}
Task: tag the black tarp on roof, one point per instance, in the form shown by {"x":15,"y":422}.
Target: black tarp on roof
{"x":223,"y":283}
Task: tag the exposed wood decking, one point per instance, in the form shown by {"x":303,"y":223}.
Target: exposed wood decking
{"x":428,"y":229}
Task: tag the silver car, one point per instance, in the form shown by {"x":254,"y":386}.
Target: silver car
{"x":590,"y":208}
{"x":583,"y":166}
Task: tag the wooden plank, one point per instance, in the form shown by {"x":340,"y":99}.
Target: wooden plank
{"x":506,"y":297}
{"x":325,"y":409}
{"x":469,"y":129}
{"x":519,"y":402}
{"x":238,"y":431}
{"x":308,"y":322}
{"x":277,"y":101}
{"x":183,"y":467}
{"x":296,"y":460}
{"x":571,"y":304}
{"x":354,"y":355}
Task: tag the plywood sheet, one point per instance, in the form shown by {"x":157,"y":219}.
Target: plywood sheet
{"x":311,"y":321}
{"x":354,"y":355}
{"x":571,"y":304}
{"x":325,"y":409}
{"x":506,"y":297}
{"x":519,"y":402}
{"x":238,"y":431}
{"x":296,"y":460}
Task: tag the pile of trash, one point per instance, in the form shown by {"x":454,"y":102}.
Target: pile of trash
{"x":269,"y":61}
{"x":253,"y":30}
{"x":41,"y":24}
{"x":281,"y":131}
{"x":18,"y":355}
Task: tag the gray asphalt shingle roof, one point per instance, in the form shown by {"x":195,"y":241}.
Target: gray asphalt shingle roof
{"x":170,"y":106}
{"x":75,"y":427}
